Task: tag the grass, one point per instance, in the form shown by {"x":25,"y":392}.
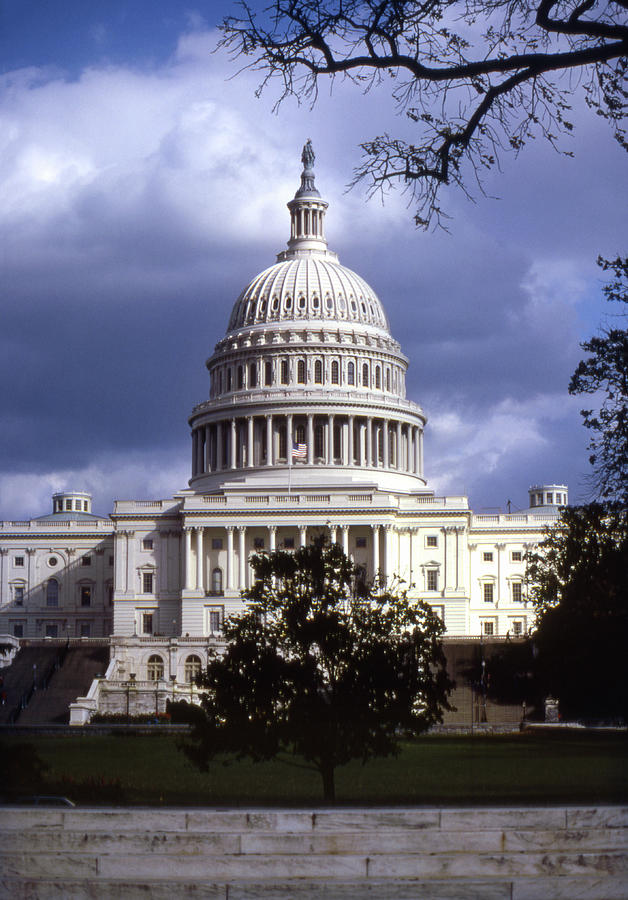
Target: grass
{"x":568,"y":767}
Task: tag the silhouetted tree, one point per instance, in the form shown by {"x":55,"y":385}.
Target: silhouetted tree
{"x":318,"y":670}
{"x":474,"y":78}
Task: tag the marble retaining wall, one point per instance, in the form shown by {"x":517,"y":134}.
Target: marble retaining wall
{"x":554,"y":853}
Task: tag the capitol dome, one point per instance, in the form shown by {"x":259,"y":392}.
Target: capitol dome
{"x":308,"y":376}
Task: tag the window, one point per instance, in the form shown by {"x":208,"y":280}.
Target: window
{"x":268,"y":373}
{"x":147,"y":623}
{"x":86,"y":595}
{"x":439,"y":612}
{"x":388,"y":379}
{"x":319,"y":444}
{"x":109,"y":589}
{"x":289,"y":543}
{"x":258,"y":543}
{"x":240,"y":371}
{"x":365,"y":375}
{"x":517,"y":628}
{"x":18,"y":595}
{"x":252,"y":375}
{"x":488,"y":589}
{"x":18,"y":629}
{"x":282,"y":442}
{"x":550,"y":498}
{"x":86,"y":560}
{"x":517,"y":592}
{"x":155,"y":668}
{"x":52,"y":631}
{"x":68,"y":505}
{"x":147,"y":544}
{"x":318,"y":372}
{"x":78,"y":505}
{"x":215,"y":617}
{"x":335,"y":376}
{"x":284,"y":371}
{"x":52,"y":592}
{"x":85,"y":507}
{"x":217,"y":580}
{"x":431,"y":540}
{"x":147,"y":582}
{"x":111,"y":560}
{"x":487,"y":556}
{"x":488,"y":628}
{"x":85,"y":629}
{"x":360,"y":542}
{"x":19,"y":561}
{"x":378,"y":377}
{"x":351,"y":373}
{"x":301,"y":371}
{"x":229,"y":379}
{"x":216,"y":543}
{"x":516,"y":556}
{"x":192,"y":669}
{"x":432,"y":579}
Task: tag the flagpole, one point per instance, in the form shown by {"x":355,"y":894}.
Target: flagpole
{"x":290,"y":469}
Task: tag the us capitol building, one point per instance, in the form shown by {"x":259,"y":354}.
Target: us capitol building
{"x":307,"y":430}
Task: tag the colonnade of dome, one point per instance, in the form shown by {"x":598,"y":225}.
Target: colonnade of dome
{"x":308,"y":374}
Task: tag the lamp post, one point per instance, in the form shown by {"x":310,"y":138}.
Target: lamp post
{"x":173,"y":679}
{"x":130,"y":683}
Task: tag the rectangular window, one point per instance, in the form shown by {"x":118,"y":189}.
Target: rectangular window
{"x":517,"y":628}
{"x":289,"y":543}
{"x":487,"y":556}
{"x":85,"y":629}
{"x":215,"y":617}
{"x":258,"y":543}
{"x":147,"y":623}
{"x":216,"y":543}
{"x":517,"y":592}
{"x":78,"y":505}
{"x":360,"y":542}
{"x":488,"y":628}
{"x":86,"y":595}
{"x":439,"y":612}
{"x":68,"y":505}
{"x":431,"y":540}
{"x":550,"y":498}
{"x":432,"y":580}
{"x":52,"y":631}
{"x":18,"y":629}
{"x":516,"y":556}
{"x":147,"y":582}
{"x":489,"y":591}
{"x":147,"y":544}
{"x":268,"y":373}
{"x":19,"y":561}
{"x":18,"y":594}
{"x":86,"y":560}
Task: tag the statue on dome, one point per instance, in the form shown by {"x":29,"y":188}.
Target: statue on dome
{"x":308,"y":157}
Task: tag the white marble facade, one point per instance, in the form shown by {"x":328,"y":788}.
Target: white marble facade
{"x":306,"y":430}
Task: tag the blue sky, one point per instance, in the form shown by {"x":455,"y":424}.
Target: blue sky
{"x":143,"y":186}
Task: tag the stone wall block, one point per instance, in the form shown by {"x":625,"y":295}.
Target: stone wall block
{"x":34,"y":865}
{"x":598,"y":817}
{"x":579,"y":887}
{"x":390,"y":889}
{"x":115,"y":821}
{"x":377,"y":820}
{"x":490,"y":819}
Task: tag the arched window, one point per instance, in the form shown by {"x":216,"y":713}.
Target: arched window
{"x":252,"y":375}
{"x":240,"y":377}
{"x":299,"y":434}
{"x":268,"y":373}
{"x":351,"y":373}
{"x":220,"y":381}
{"x":193,"y":666}
{"x":301,"y":371}
{"x":335,"y":378}
{"x":155,"y":667}
{"x":284,"y":371}
{"x":318,"y":372}
{"x":365,"y":375}
{"x":228,"y":379}
{"x":52,"y":592}
{"x":319,"y":444}
{"x":216,"y":581}
{"x":388,"y":379}
{"x":378,"y":377}
{"x":282,"y":442}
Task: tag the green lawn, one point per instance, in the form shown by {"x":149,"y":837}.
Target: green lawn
{"x":520,"y":769}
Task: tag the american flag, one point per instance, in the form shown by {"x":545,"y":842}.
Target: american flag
{"x":299,"y":451}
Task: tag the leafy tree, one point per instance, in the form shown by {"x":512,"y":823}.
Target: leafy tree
{"x":606,"y":371}
{"x":579,"y":584}
{"x":474,"y":78}
{"x":319,"y":670}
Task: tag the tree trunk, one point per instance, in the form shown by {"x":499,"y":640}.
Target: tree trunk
{"x":329,"y":785}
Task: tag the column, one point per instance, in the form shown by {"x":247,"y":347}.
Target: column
{"x":330,"y":439}
{"x":194,"y":454}
{"x":208,"y":459}
{"x":250,"y":450}
{"x":345,"y":539}
{"x":119,"y":568}
{"x":310,"y":439}
{"x":450,"y":558}
{"x":302,"y":535}
{"x":218,"y":445}
{"x":345,"y":443}
{"x":420,"y":472}
{"x":417,"y":449}
{"x":375,"y":552}
{"x":386,"y":443}
{"x":199,"y":560}
{"x":369,"y":442}
{"x":387,"y":552}
{"x":130,"y":581}
{"x":269,"y":441}
{"x":187,"y":559}
{"x":242,"y":557}
{"x":272,"y":537}
{"x":289,"y":439}
{"x":398,"y":454}
{"x":351,"y":439}
{"x":234,"y":444}
{"x":460,"y":533}
{"x":229,"y":557}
